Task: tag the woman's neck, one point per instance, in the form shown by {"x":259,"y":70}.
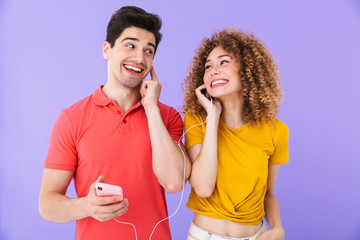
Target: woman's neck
{"x":233,"y":112}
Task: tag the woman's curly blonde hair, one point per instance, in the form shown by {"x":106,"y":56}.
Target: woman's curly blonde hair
{"x":259,"y":75}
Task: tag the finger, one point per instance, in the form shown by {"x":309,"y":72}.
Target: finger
{"x":114,"y":207}
{"x":102,"y":201}
{"x":146,"y":82}
{"x":198,"y":92}
{"x":143,"y":88}
{"x":200,"y":88}
{"x":100,"y":179}
{"x":120,"y":212}
{"x":108,"y":216}
{"x":153,"y":74}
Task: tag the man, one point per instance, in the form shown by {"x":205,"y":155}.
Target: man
{"x":120,"y":133}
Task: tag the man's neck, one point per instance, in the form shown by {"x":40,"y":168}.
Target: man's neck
{"x":124,"y":97}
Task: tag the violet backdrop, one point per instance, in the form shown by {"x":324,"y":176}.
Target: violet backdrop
{"x":50,"y":57}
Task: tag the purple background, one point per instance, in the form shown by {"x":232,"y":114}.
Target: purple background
{"x":50,"y":57}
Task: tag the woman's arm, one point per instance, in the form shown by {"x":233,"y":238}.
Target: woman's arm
{"x":204,"y":161}
{"x":204,"y":156}
{"x":272,"y":210}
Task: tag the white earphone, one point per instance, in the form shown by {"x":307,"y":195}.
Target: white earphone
{"x":183,"y":187}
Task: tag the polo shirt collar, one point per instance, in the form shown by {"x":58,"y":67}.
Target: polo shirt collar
{"x":102,"y":100}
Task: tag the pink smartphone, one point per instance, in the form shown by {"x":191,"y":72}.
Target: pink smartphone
{"x":104,"y":190}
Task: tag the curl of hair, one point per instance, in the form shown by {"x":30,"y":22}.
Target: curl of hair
{"x":259,"y":75}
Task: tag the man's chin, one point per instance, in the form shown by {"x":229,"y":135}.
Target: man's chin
{"x":132,"y":83}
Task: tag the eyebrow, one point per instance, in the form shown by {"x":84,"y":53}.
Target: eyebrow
{"x":137,"y":40}
{"x":224,"y":55}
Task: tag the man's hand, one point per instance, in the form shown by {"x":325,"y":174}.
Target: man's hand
{"x":150,"y":90}
{"x":104,"y":208}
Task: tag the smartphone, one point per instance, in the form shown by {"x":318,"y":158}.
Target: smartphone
{"x":104,"y":190}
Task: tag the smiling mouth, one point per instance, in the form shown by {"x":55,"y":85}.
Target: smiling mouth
{"x":133,"y":68}
{"x":219,"y":82}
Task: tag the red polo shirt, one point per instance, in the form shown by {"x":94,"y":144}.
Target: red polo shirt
{"x":94,"y":137}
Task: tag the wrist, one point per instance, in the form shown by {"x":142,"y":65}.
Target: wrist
{"x":84,"y":205}
{"x":279,"y":231}
{"x":213,"y":115}
{"x":151,"y":108}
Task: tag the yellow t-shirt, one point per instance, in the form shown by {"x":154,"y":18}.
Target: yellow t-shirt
{"x":244,"y":156}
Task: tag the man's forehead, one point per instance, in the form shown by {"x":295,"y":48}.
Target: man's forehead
{"x":137,"y":34}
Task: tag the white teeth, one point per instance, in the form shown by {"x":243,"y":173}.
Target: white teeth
{"x":133,"y":68}
{"x":218,"y":82}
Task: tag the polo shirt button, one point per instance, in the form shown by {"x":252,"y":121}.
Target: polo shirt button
{"x":124,"y":121}
{"x":118,"y":112}
{"x":111,"y":104}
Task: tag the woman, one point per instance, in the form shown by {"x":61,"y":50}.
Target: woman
{"x":236,"y":155}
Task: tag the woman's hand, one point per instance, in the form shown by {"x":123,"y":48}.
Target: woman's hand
{"x":272,"y":234}
{"x":206,"y":103}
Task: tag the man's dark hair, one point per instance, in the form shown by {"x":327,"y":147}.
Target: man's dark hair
{"x":130,"y":16}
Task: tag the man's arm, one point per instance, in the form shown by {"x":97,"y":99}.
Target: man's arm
{"x":168,"y":160}
{"x":55,"y":206}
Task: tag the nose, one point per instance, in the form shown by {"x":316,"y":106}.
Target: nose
{"x":215,"y":70}
{"x":139,"y":58}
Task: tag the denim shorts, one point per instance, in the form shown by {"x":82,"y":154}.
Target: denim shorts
{"x":197,"y":233}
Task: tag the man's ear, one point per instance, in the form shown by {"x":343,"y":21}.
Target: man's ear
{"x":106,"y":49}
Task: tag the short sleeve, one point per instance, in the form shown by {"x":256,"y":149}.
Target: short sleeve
{"x":194,"y":129}
{"x":175,"y":125}
{"x":62,"y":154}
{"x":280,"y":141}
